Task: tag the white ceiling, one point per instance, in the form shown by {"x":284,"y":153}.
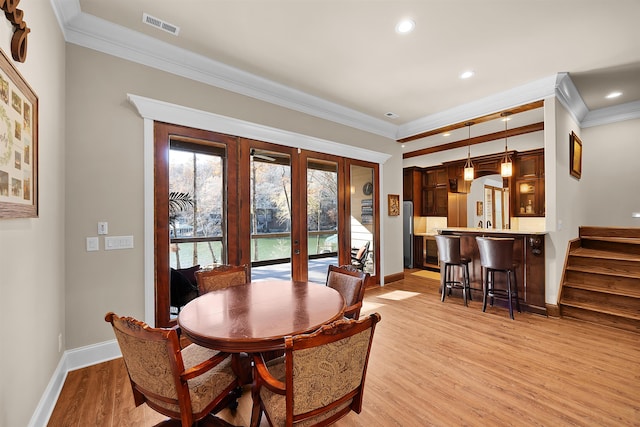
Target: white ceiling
{"x":342,"y":59}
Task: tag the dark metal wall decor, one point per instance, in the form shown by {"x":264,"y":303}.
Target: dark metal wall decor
{"x":20,"y":32}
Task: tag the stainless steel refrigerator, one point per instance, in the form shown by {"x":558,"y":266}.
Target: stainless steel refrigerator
{"x":407,"y":233}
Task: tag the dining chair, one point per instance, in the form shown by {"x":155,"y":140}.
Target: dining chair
{"x":221,"y":276}
{"x":319,"y":380}
{"x":185,"y":384}
{"x":350,"y":282}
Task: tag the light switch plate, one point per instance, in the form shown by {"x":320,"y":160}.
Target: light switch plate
{"x":93,"y":244}
{"x":118,"y":242}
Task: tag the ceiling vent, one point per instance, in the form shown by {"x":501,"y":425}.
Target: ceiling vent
{"x":160,"y":24}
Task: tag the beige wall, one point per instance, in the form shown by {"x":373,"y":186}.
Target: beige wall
{"x":105,"y":177}
{"x":610,"y":174}
{"x":32,"y":250}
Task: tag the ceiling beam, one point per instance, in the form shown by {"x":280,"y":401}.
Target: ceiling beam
{"x":476,"y":140}
{"x":476,"y":120}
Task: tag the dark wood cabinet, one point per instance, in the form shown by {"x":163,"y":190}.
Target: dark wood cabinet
{"x":412,"y":188}
{"x":528,"y":194}
{"x":435,"y":192}
{"x":528,"y":254}
{"x":418,"y":251}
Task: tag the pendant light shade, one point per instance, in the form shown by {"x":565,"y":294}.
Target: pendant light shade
{"x":469,"y":172}
{"x":506,"y":168}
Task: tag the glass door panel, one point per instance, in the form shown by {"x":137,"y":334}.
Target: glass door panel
{"x":363,"y":221}
{"x":270,"y":184}
{"x":197,"y":214}
{"x":322,"y":218}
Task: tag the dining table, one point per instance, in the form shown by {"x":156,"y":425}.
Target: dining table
{"x":256,"y":317}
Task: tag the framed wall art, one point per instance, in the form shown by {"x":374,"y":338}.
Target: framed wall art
{"x":18,"y":144}
{"x":575,"y":155}
{"x":394,"y":204}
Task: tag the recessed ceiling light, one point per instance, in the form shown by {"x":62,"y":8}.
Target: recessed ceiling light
{"x":613,"y":95}
{"x":467,"y":74}
{"x":405,"y":26}
{"x":446,"y":134}
{"x":391,"y":115}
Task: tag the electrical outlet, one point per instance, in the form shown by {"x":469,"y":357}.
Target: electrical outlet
{"x":103,"y":228}
{"x":59,"y":342}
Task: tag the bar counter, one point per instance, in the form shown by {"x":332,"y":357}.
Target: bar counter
{"x":528,"y":254}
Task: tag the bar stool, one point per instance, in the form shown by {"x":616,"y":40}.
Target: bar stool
{"x":496,"y":255}
{"x":449,"y":256}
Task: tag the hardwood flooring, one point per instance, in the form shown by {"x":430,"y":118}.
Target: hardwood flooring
{"x":439,"y":364}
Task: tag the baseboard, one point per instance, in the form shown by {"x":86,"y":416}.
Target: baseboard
{"x":553,"y":310}
{"x":70,"y":361}
{"x":394,"y":277}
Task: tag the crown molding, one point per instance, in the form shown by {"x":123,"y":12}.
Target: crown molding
{"x":530,"y":92}
{"x":103,"y":36}
{"x":94,"y":33}
{"x":613,"y":114}
{"x":568,"y":95}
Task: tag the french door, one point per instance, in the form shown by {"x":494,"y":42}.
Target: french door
{"x":286,"y":212}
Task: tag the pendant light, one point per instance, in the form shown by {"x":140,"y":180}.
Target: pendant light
{"x":469,"y":173}
{"x":506,"y":168}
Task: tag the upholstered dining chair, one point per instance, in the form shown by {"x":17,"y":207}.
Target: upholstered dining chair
{"x":319,"y":380}
{"x":221,"y":276}
{"x":351,"y":283}
{"x":185,"y":384}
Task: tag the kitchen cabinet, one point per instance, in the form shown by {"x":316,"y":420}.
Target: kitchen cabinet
{"x":412,"y":188}
{"x":435,"y":192}
{"x":528,"y":197}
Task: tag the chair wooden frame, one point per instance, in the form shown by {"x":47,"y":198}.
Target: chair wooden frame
{"x":359,"y":261}
{"x":128,"y":327}
{"x":351,"y":286}
{"x":221,"y":276}
{"x":326,"y":335}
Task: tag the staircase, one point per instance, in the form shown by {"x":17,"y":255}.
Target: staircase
{"x":601,"y":278}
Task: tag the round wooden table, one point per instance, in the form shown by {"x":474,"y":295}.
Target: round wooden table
{"x":256,"y":317}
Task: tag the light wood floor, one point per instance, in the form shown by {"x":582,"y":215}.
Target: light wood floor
{"x":439,"y":364}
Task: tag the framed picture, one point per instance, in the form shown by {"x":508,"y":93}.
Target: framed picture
{"x":575,"y":155}
{"x":18,"y":144}
{"x":479,"y":208}
{"x":394,"y":204}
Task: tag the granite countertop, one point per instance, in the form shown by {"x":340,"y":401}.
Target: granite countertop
{"x":490,"y":231}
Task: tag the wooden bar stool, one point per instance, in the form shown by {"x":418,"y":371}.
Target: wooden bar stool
{"x":449,"y":256}
{"x":496,"y":255}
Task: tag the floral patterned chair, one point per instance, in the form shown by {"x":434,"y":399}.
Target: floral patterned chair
{"x":320,"y":378}
{"x":184,"y":384}
{"x":221,"y":276}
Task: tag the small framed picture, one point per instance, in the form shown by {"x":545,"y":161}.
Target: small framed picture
{"x":575,"y":155}
{"x":394,"y":204}
{"x":479,"y":208}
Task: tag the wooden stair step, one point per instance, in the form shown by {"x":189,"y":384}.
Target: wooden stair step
{"x":629,"y":240}
{"x":628,"y":314}
{"x":601,"y":318}
{"x":603,"y":254}
{"x":594,"y":287}
{"x":603,"y":271}
{"x":588,"y":232}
